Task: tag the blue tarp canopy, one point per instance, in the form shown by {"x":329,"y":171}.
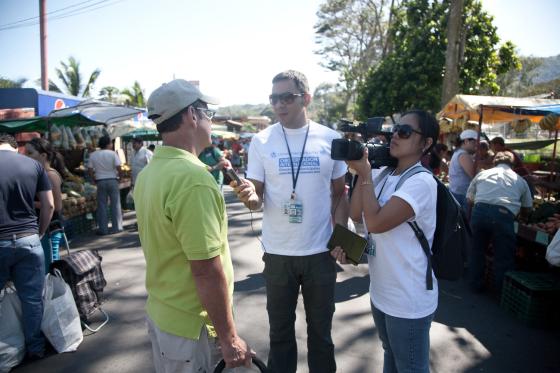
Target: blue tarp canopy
{"x":534,"y":110}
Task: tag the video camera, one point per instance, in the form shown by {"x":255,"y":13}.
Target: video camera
{"x":351,"y":150}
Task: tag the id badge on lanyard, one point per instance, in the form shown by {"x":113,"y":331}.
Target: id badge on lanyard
{"x":293,"y":208}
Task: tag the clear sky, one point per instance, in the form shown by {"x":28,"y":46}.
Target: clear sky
{"x":233,"y":47}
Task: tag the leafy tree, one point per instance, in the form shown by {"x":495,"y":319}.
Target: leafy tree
{"x":134,"y":95}
{"x":9,"y":83}
{"x":352,"y":35}
{"x":109,"y":93}
{"x":328,"y":104}
{"x":71,"y":76}
{"x":412,"y":74}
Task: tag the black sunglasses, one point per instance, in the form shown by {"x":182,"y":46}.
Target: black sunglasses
{"x":285,"y":98}
{"x":404,"y":130}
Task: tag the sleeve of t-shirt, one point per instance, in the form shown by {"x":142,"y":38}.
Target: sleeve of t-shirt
{"x":43,"y":183}
{"x":420,"y":192}
{"x":526,"y":198}
{"x":117,"y":160}
{"x":197,"y":215}
{"x":255,"y":166}
{"x":339,"y":169}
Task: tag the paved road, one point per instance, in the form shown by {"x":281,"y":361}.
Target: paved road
{"x":471,"y":333}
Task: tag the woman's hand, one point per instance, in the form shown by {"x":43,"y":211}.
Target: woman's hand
{"x":361,"y":166}
{"x":339,"y":255}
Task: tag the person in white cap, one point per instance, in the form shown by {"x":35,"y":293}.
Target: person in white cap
{"x":182,"y":224}
{"x":461,"y":166}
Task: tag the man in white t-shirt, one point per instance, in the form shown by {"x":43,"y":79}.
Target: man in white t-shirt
{"x":104,"y":168}
{"x":140,"y":159}
{"x":291,"y":173}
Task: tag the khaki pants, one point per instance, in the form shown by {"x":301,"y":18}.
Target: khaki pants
{"x":174,"y":354}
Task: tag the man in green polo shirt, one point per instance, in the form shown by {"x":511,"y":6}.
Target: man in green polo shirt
{"x":182,"y":224}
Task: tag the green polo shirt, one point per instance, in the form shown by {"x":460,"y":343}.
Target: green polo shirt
{"x":181,"y":217}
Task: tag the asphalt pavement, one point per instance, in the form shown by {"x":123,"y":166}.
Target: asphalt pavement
{"x":470,"y":333}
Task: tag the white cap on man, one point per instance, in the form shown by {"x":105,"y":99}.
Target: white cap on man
{"x":172,"y":97}
{"x":468,"y":134}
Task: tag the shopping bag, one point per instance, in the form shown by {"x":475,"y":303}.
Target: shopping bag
{"x":12,"y":340}
{"x":553,"y":250}
{"x":61,"y":321}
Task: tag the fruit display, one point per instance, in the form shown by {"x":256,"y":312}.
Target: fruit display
{"x":545,"y":217}
{"x":521,"y":125}
{"x":549,"y":122}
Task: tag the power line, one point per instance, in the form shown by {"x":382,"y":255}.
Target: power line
{"x":85,"y":9}
{"x":54,"y":11}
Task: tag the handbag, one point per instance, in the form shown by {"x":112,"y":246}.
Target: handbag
{"x":12,"y":340}
{"x":61,"y":321}
{"x":553,"y":250}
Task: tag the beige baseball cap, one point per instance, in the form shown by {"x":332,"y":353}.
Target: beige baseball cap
{"x":172,"y":97}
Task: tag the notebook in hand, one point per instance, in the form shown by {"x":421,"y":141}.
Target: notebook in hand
{"x":353,"y":244}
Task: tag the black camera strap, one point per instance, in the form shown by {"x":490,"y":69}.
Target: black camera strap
{"x":296,"y":175}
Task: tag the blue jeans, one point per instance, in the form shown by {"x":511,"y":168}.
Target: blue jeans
{"x":109,"y":188}
{"x":22,"y":261}
{"x":316,"y":275}
{"x":406,"y":342}
{"x":491,"y":224}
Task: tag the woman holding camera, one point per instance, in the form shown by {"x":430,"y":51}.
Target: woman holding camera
{"x":402,"y":307}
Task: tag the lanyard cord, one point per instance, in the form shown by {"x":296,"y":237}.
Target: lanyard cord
{"x":296,"y":176}
{"x":391,"y":174}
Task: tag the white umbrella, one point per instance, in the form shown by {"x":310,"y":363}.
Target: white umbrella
{"x":99,"y":111}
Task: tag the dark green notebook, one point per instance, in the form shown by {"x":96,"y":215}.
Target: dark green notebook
{"x":353,"y":244}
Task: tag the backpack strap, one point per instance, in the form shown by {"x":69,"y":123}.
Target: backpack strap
{"x":426,"y":247}
{"x":417,"y":231}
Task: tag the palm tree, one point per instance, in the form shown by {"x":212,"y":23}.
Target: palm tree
{"x":72,"y":79}
{"x":135,"y":95}
{"x":108,"y":93}
{"x":9,"y":83}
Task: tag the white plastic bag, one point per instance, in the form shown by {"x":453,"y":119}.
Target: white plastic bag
{"x":553,"y":250}
{"x":12,"y":340}
{"x":61,"y":321}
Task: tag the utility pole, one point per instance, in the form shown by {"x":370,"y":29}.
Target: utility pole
{"x":43,"y":27}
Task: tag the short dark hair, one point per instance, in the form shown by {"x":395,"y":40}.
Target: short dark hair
{"x":42,"y":146}
{"x":498,"y":140}
{"x":428,"y":124}
{"x":504,"y":157}
{"x":298,"y":78}
{"x":8,"y":139}
{"x":138,"y":140}
{"x":104,"y":142}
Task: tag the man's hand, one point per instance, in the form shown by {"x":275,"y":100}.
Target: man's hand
{"x":246,"y":193}
{"x":339,"y":255}
{"x":236,"y":352}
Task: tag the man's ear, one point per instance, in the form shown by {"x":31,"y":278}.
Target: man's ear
{"x":306,"y":99}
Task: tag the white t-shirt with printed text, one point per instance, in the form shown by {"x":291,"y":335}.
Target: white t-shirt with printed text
{"x":269,"y":163}
{"x":398,"y":269}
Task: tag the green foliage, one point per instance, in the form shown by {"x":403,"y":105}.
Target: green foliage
{"x":9,"y":83}
{"x":328,"y":104}
{"x":72,"y":79}
{"x":518,"y":82}
{"x":352,"y":36}
{"x":134,"y":95}
{"x":412,"y":74}
{"x":109,"y":93}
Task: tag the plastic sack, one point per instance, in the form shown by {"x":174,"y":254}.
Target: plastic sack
{"x":553,"y":250}
{"x":12,"y":340}
{"x":61,"y":321}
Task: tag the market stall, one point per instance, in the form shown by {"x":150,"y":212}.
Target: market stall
{"x":528,"y":291}
{"x":74,"y":133}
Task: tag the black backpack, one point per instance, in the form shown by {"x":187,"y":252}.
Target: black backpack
{"x":452,"y":236}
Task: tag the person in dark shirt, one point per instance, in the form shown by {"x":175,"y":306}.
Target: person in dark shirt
{"x":21,"y":254}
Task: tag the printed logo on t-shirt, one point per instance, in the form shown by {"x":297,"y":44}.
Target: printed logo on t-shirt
{"x":309,"y":165}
